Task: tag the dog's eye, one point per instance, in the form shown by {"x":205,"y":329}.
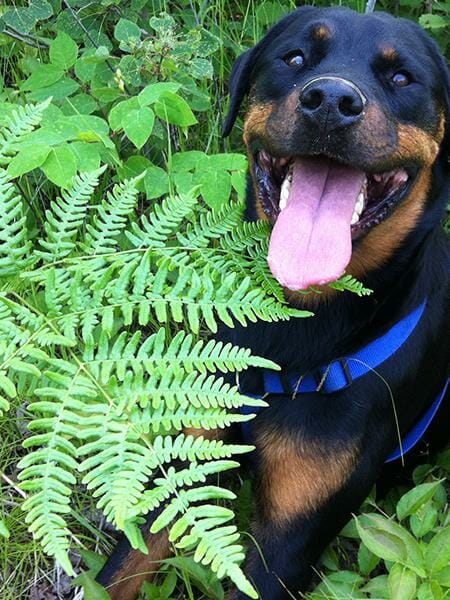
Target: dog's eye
{"x":294,"y":59}
{"x":401,"y":79}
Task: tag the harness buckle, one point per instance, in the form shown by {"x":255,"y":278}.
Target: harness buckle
{"x":330,"y":379}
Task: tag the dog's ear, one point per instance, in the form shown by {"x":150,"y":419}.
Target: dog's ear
{"x":446,"y":82}
{"x":239,"y":86}
{"x":242,"y":72}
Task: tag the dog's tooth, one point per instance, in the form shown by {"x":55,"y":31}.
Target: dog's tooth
{"x":359,"y":206}
{"x":284,"y":193}
{"x":355,"y":218}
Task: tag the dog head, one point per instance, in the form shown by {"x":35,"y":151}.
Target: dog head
{"x":348,"y":115}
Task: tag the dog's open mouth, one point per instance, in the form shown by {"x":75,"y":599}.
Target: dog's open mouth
{"x":318,"y":206}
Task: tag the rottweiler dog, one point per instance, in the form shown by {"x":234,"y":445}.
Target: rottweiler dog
{"x":348,"y":137}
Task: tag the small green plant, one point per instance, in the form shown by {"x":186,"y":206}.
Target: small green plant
{"x":404,"y":549}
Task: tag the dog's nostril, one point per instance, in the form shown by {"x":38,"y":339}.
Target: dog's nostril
{"x":311,"y":98}
{"x":351,"y":105}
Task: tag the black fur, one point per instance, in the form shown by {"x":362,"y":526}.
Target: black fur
{"x":418,"y":270}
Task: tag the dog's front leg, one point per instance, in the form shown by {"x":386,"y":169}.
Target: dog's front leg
{"x":308,"y":482}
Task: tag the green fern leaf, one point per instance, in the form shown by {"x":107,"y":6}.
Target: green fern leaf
{"x":47,"y":472}
{"x":349,"y":283}
{"x":22,"y":121}
{"x":14,"y":243}
{"x":164,"y":220}
{"x":112,"y":217}
{"x":66,"y":215}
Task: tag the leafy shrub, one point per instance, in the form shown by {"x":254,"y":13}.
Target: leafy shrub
{"x":404,"y":550}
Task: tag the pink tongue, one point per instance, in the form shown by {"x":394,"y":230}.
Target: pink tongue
{"x":311,"y":242}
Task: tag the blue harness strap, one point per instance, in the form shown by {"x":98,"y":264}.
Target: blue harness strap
{"x":341,"y":373}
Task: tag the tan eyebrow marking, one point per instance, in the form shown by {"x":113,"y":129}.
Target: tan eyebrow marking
{"x":322,"y":32}
{"x":389,"y":53}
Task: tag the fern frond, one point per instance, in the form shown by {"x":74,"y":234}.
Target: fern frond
{"x":165,"y":487}
{"x":47,"y":472}
{"x":112,"y":217}
{"x":211,"y":225}
{"x":349,"y":283}
{"x":164,"y":220}
{"x":158,"y":355}
{"x":66,"y":215}
{"x":15,"y":246}
{"x":121,"y":460}
{"x":164,"y":420}
{"x":203,"y":528}
{"x":20,"y":123}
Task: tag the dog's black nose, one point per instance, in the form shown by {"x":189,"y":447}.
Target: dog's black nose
{"x":332,"y":101}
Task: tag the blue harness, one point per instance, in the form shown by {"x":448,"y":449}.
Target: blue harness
{"x":341,"y":373}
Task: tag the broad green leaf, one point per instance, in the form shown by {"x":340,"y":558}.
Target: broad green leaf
{"x":215,"y":187}
{"x":391,"y":542}
{"x":63,"y":51}
{"x":172,"y":108}
{"x":443,"y":577}
{"x":378,"y":587}
{"x":85,"y":65}
{"x":87,"y":155}
{"x":205,"y":580}
{"x":93,"y":560}
{"x":79,"y":104}
{"x":201,"y":68}
{"x":443,"y":460}
{"x":343,"y":584}
{"x":92,"y":590}
{"x":138,"y":125}
{"x":169,"y":584}
{"x":268,"y":13}
{"x":162,"y":24}
{"x":421,"y":472}
{"x":118,"y":112}
{"x":42,"y":77}
{"x":402,"y":583}
{"x":152,"y":92}
{"x":156,"y":182}
{"x":58,"y":91}
{"x":27,"y":160}
{"x":367,"y":560}
{"x":380,"y":540}
{"x":238,"y":181}
{"x":59,"y":131}
{"x":4,"y":531}
{"x":184,"y":182}
{"x":424,"y":519}
{"x":430,"y":590}
{"x":437,"y":553}
{"x":24,"y":19}
{"x":227,"y":162}
{"x":133,"y":166}
{"x":188,"y":161}
{"x":433,"y":21}
{"x":410,"y":502}
{"x":60,"y":165}
{"x":126,"y":31}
